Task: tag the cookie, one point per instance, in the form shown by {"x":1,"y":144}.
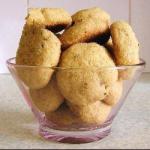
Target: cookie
{"x":55,"y":19}
{"x":63,"y":116}
{"x":124,"y":73}
{"x":41,"y":49}
{"x":114,"y":93}
{"x":95,"y":13}
{"x":47,"y":99}
{"x":35,"y":15}
{"x":126,"y":46}
{"x":86,"y":73}
{"x":87,"y":25}
{"x":95,"y":113}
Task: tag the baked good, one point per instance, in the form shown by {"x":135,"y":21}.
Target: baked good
{"x":94,"y":114}
{"x":55,"y":19}
{"x":126,"y":47}
{"x":86,"y":75}
{"x":94,"y":12}
{"x":41,"y":48}
{"x":114,"y":93}
{"x":88,"y":25}
{"x":47,"y":99}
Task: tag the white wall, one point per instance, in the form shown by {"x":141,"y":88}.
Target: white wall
{"x":12,"y":21}
{"x":12,"y":14}
{"x":140,"y":15}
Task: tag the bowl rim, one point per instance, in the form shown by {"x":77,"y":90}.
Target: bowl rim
{"x":10,"y":63}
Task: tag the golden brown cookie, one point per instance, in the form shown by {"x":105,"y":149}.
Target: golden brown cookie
{"x":41,"y":48}
{"x":82,"y":32}
{"x":63,"y":116}
{"x":95,"y":12}
{"x":55,"y":19}
{"x":89,"y":25}
{"x":114,"y":93}
{"x":123,"y":73}
{"x":86,"y":74}
{"x":95,"y":113}
{"x":126,"y":47}
{"x":47,"y":99}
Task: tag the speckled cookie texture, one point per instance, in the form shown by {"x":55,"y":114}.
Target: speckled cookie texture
{"x":47,"y":99}
{"x":55,"y":19}
{"x":114,"y":93}
{"x":88,"y":24}
{"x":86,"y":81}
{"x":126,"y":47}
{"x":95,"y":113}
{"x":37,"y":47}
{"x":94,"y":12}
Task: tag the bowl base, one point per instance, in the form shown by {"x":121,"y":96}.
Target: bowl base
{"x":74,"y":137}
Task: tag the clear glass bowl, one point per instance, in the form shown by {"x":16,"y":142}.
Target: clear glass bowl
{"x":76,"y":131}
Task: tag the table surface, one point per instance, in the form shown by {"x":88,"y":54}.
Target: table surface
{"x":18,"y":128}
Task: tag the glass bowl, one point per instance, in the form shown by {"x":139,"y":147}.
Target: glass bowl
{"x":58,"y":122}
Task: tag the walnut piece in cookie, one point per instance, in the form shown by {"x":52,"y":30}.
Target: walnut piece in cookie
{"x":41,"y":49}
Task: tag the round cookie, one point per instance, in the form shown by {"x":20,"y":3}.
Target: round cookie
{"x":47,"y":99}
{"x":126,"y":47}
{"x":123,"y":73}
{"x":95,"y":12}
{"x":95,"y":113}
{"x":41,"y":49}
{"x":114,"y":93}
{"x":89,"y":25}
{"x":63,"y":116}
{"x":82,"y":32}
{"x":85,"y":73}
{"x":55,"y":19}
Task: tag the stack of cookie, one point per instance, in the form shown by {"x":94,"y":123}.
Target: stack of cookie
{"x":69,"y":63}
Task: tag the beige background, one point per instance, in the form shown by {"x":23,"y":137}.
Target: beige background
{"x":12,"y":15}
